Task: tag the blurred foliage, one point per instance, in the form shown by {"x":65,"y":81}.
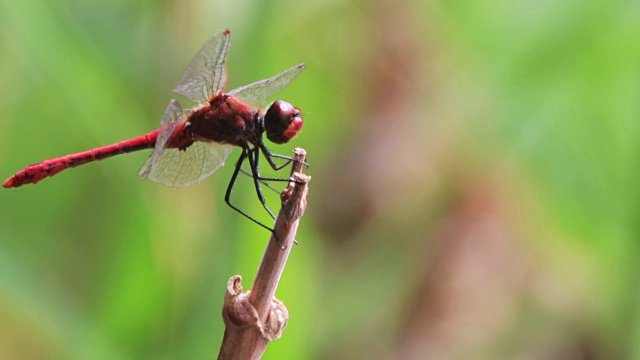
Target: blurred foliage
{"x":474,"y":195}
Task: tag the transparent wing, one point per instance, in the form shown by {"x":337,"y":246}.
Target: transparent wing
{"x":258,"y":92}
{"x":207,"y":74}
{"x":181,"y":168}
{"x":172,"y":112}
{"x":170,"y":120}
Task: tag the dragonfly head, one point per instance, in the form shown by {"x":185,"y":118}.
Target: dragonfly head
{"x":282,"y":122}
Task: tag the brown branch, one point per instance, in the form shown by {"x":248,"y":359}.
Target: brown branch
{"x":254,"y":318}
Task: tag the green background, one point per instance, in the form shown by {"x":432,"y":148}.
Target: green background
{"x":475,"y":180}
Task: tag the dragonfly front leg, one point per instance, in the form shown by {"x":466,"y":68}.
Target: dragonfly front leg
{"x":269,"y":155}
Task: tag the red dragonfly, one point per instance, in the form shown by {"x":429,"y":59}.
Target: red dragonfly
{"x":190,"y":145}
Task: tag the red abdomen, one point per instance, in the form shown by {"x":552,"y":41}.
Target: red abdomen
{"x":34,"y":173}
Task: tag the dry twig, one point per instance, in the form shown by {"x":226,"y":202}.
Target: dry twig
{"x":254,"y":318}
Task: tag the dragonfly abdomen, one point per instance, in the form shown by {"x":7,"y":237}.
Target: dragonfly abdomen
{"x":32,"y":174}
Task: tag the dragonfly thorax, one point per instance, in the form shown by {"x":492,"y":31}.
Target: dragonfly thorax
{"x":225,"y":120}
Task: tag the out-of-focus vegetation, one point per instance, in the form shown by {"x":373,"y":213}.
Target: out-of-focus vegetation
{"x":474,"y":195}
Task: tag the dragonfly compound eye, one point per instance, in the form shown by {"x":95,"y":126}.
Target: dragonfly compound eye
{"x":282,"y":122}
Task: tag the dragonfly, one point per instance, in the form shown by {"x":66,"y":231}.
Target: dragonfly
{"x":192,"y":144}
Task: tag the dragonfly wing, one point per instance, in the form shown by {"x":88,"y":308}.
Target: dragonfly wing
{"x":181,"y":168}
{"x":172,"y":112}
{"x":170,"y":120}
{"x":258,"y":92}
{"x":207,"y":74}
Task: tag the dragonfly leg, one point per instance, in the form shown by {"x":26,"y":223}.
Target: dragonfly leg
{"x":269,"y":155}
{"x":264,"y":182}
{"x":227,"y":196}
{"x":255,"y":170}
